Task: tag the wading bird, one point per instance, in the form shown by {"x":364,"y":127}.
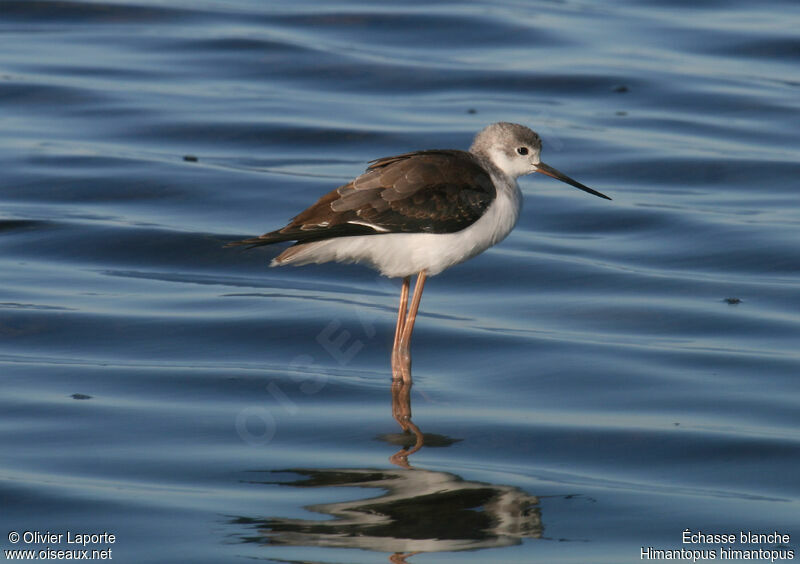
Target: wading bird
{"x":419,"y":213}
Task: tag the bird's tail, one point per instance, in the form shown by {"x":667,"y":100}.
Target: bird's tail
{"x":266,"y":239}
{"x":303,"y":235}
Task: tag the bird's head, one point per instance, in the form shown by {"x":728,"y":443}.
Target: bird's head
{"x":516,"y":151}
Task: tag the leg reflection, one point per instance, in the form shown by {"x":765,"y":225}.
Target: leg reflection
{"x":401,"y":411}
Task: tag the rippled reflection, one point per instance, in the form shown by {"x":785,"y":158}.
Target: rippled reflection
{"x":417,"y":511}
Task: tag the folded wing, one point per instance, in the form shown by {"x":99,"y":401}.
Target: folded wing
{"x":437,"y":191}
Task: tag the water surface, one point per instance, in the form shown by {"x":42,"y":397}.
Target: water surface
{"x":609,"y":376}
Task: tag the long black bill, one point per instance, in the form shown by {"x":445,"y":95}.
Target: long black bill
{"x":550,"y":171}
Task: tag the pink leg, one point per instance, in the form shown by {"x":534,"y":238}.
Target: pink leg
{"x":397,"y":368}
{"x":401,"y":314}
{"x":408,"y":327}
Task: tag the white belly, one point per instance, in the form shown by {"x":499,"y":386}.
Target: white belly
{"x":404,"y":254}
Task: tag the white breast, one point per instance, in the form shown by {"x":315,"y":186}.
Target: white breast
{"x":405,"y":254}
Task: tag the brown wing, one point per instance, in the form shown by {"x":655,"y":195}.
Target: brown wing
{"x":436,"y":191}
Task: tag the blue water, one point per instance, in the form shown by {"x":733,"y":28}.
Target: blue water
{"x":609,"y":376}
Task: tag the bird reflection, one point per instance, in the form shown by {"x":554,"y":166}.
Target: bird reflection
{"x":417,"y":511}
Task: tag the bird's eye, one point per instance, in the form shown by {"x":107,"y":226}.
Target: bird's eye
{"x":522,"y":150}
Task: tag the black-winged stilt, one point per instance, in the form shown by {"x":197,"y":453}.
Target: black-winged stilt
{"x":419,"y":213}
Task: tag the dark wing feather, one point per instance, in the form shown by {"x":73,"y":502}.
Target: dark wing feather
{"x":436,"y":191}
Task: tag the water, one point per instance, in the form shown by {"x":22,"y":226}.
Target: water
{"x":609,"y":376}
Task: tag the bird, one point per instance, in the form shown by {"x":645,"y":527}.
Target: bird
{"x":419,"y":213}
